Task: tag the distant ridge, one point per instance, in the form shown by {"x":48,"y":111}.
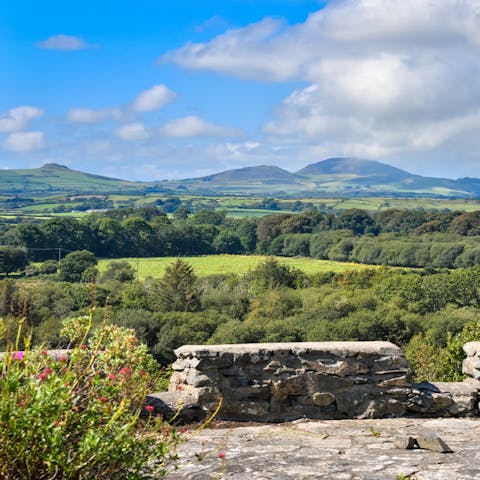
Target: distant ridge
{"x":53,"y":177}
{"x":354,"y":166}
{"x":340,"y":177}
{"x":266,"y":173}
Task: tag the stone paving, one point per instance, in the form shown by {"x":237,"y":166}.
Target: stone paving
{"x":332,"y":449}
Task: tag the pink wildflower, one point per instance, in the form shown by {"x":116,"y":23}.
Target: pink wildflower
{"x":149,"y":408}
{"x":43,"y":376}
{"x":221,"y":455}
{"x":18,"y":355}
{"x":103,"y":399}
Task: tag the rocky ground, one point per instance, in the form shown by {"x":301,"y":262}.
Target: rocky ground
{"x":333,"y":449}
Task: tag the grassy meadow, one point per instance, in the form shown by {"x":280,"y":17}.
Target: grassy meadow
{"x":224,"y":264}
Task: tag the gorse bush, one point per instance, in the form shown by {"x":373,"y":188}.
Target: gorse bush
{"x":78,"y":415}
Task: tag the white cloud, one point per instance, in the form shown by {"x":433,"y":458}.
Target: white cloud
{"x":18,"y":118}
{"x":193,"y":126}
{"x":385,"y":77}
{"x":153,"y":99}
{"x":132,"y":132}
{"x":63,"y":42}
{"x":214,"y":23}
{"x":89,"y":115}
{"x":24,"y":141}
{"x":245,"y":52}
{"x":149,"y":100}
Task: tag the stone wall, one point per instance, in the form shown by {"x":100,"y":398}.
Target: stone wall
{"x":276,"y":382}
{"x":471,"y":364}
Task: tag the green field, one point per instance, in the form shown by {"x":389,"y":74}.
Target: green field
{"x":235,"y":206}
{"x":224,"y":264}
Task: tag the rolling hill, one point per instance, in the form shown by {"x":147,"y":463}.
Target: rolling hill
{"x":53,"y":178}
{"x":353,"y":166}
{"x":333,"y":177}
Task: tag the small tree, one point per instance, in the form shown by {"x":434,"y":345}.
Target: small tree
{"x":273,"y":274}
{"x":74,"y":264}
{"x":179,"y":293}
{"x":12,"y":259}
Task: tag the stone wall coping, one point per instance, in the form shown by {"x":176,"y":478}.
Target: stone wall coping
{"x":342,"y":348}
{"x":472,"y":349}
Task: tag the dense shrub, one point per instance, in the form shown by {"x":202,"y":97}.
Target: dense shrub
{"x":77,"y":417}
{"x":73,"y":265}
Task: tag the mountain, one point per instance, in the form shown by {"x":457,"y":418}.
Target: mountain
{"x":59,"y":178}
{"x":354,"y":167}
{"x":262,"y":173}
{"x":333,"y":177}
{"x":259,"y":180}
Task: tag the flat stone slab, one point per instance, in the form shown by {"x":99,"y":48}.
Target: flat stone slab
{"x":331,"y":450}
{"x":340,"y":348}
{"x":472,"y":349}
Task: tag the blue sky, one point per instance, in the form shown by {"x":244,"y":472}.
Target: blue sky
{"x":160,"y":89}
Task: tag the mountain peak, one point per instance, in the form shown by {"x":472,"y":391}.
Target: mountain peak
{"x":354,"y":166}
{"x":50,"y":166}
{"x":260,"y":173}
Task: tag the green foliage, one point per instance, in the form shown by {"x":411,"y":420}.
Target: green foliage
{"x":422,"y":357}
{"x":356,"y":220}
{"x":9,"y":299}
{"x":49,"y":267}
{"x":72,"y":266}
{"x":273,"y":274}
{"x":466,"y":224}
{"x":227,"y":242}
{"x":135,"y":296}
{"x":225,"y":294}
{"x":430,"y":362}
{"x":12,"y":259}
{"x":208,"y":217}
{"x":180,"y":328}
{"x":450,"y":362}
{"x":120,"y":271}
{"x":179,"y":292}
{"x":77,"y":416}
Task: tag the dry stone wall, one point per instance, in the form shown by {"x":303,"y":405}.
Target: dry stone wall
{"x":274,"y":382}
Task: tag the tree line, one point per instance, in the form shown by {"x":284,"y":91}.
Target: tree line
{"x":410,"y":238}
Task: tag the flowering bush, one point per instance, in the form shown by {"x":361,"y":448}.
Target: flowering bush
{"x":78,"y":415}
